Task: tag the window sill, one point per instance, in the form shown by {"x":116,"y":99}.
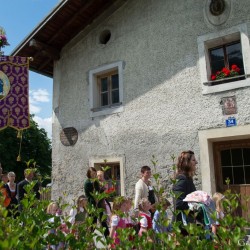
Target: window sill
{"x":107,"y":110}
{"x":226,"y":84}
{"x":226,"y":80}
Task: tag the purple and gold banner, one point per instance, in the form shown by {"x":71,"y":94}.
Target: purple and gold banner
{"x":14,"y":92}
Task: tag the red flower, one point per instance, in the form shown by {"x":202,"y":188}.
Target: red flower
{"x":235,"y":68}
{"x":110,"y":190}
{"x":213,"y":77}
{"x":226,"y":71}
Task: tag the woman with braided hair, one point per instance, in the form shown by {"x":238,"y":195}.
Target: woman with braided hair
{"x":186,"y":166}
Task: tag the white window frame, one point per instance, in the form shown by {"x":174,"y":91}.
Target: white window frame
{"x":221,"y":37}
{"x":112,"y":159}
{"x":94,"y":91}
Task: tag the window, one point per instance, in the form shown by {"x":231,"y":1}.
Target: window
{"x":109,"y":89}
{"x":106,"y":89}
{"x":226,"y":56}
{"x":235,"y":164}
{"x":112,"y":175}
{"x":115,"y":173}
{"x":220,"y":50}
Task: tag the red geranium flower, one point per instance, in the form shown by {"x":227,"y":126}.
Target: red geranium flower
{"x":225,"y":72}
{"x":235,"y":68}
{"x":213,"y":77}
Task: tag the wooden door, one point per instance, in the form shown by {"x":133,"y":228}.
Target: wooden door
{"x":232,"y":161}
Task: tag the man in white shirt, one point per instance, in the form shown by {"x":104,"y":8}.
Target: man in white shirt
{"x":142,"y":186}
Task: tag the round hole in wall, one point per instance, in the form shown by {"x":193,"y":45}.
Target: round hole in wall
{"x":105,"y":37}
{"x":217,"y":7}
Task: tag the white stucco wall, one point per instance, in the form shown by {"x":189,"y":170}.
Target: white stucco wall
{"x":164,"y":107}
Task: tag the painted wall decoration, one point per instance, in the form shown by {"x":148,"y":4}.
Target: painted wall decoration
{"x":229,"y":105}
{"x":14,"y":92}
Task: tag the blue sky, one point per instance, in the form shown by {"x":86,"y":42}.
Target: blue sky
{"x":19,"y":18}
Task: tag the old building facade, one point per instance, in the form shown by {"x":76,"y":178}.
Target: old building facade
{"x":137,"y":82}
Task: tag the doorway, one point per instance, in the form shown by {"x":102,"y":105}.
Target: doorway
{"x":232,"y":163}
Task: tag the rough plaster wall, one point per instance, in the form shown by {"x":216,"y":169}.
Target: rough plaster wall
{"x":164,"y":105}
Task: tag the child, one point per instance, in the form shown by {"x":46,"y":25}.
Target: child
{"x":128,"y":212}
{"x":78,"y":214}
{"x":217,"y":198}
{"x":117,"y":221}
{"x":130,"y":220}
{"x":160,"y":219}
{"x":145,"y":217}
{"x":53,"y":209}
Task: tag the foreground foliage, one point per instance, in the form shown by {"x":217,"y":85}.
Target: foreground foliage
{"x":30,"y":230}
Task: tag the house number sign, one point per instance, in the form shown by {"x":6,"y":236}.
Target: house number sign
{"x":69,"y":136}
{"x":231,"y":121}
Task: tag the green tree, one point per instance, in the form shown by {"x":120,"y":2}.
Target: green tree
{"x":35,"y":145}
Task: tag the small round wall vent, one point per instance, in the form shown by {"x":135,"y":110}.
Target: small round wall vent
{"x":217,"y":12}
{"x":217,"y":7}
{"x":105,"y":37}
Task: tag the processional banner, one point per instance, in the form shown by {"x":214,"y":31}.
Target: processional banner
{"x":14,"y":92}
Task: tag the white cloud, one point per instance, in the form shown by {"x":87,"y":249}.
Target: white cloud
{"x":45,"y":123}
{"x":34,"y":109}
{"x":39,"y":95}
{"x":36,"y":99}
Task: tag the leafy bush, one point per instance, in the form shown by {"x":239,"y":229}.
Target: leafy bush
{"x":30,"y":230}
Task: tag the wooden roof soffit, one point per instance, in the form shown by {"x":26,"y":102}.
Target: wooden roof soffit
{"x":44,"y":49}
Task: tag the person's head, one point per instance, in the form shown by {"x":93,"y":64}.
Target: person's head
{"x":146,"y":172}
{"x":81,"y":202}
{"x":129,"y":203}
{"x":144,"y":205}
{"x":53,"y":208}
{"x":91,"y":173}
{"x":100,"y":175}
{"x":217,"y":198}
{"x":119,"y":204}
{"x":5,"y":178}
{"x":11,"y":177}
{"x":29,"y":174}
{"x":186,"y":163}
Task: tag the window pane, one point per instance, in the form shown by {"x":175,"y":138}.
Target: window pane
{"x":238,"y":175}
{"x":237,"y":157}
{"x":217,"y":59}
{"x":115,"y":96}
{"x":227,"y":173}
{"x":247,"y":174}
{"x":235,"y":56}
{"x":217,"y":66}
{"x":225,"y":158}
{"x":104,"y":84}
{"x":246,"y":153}
{"x":115,"y":81}
{"x":104,"y":99}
